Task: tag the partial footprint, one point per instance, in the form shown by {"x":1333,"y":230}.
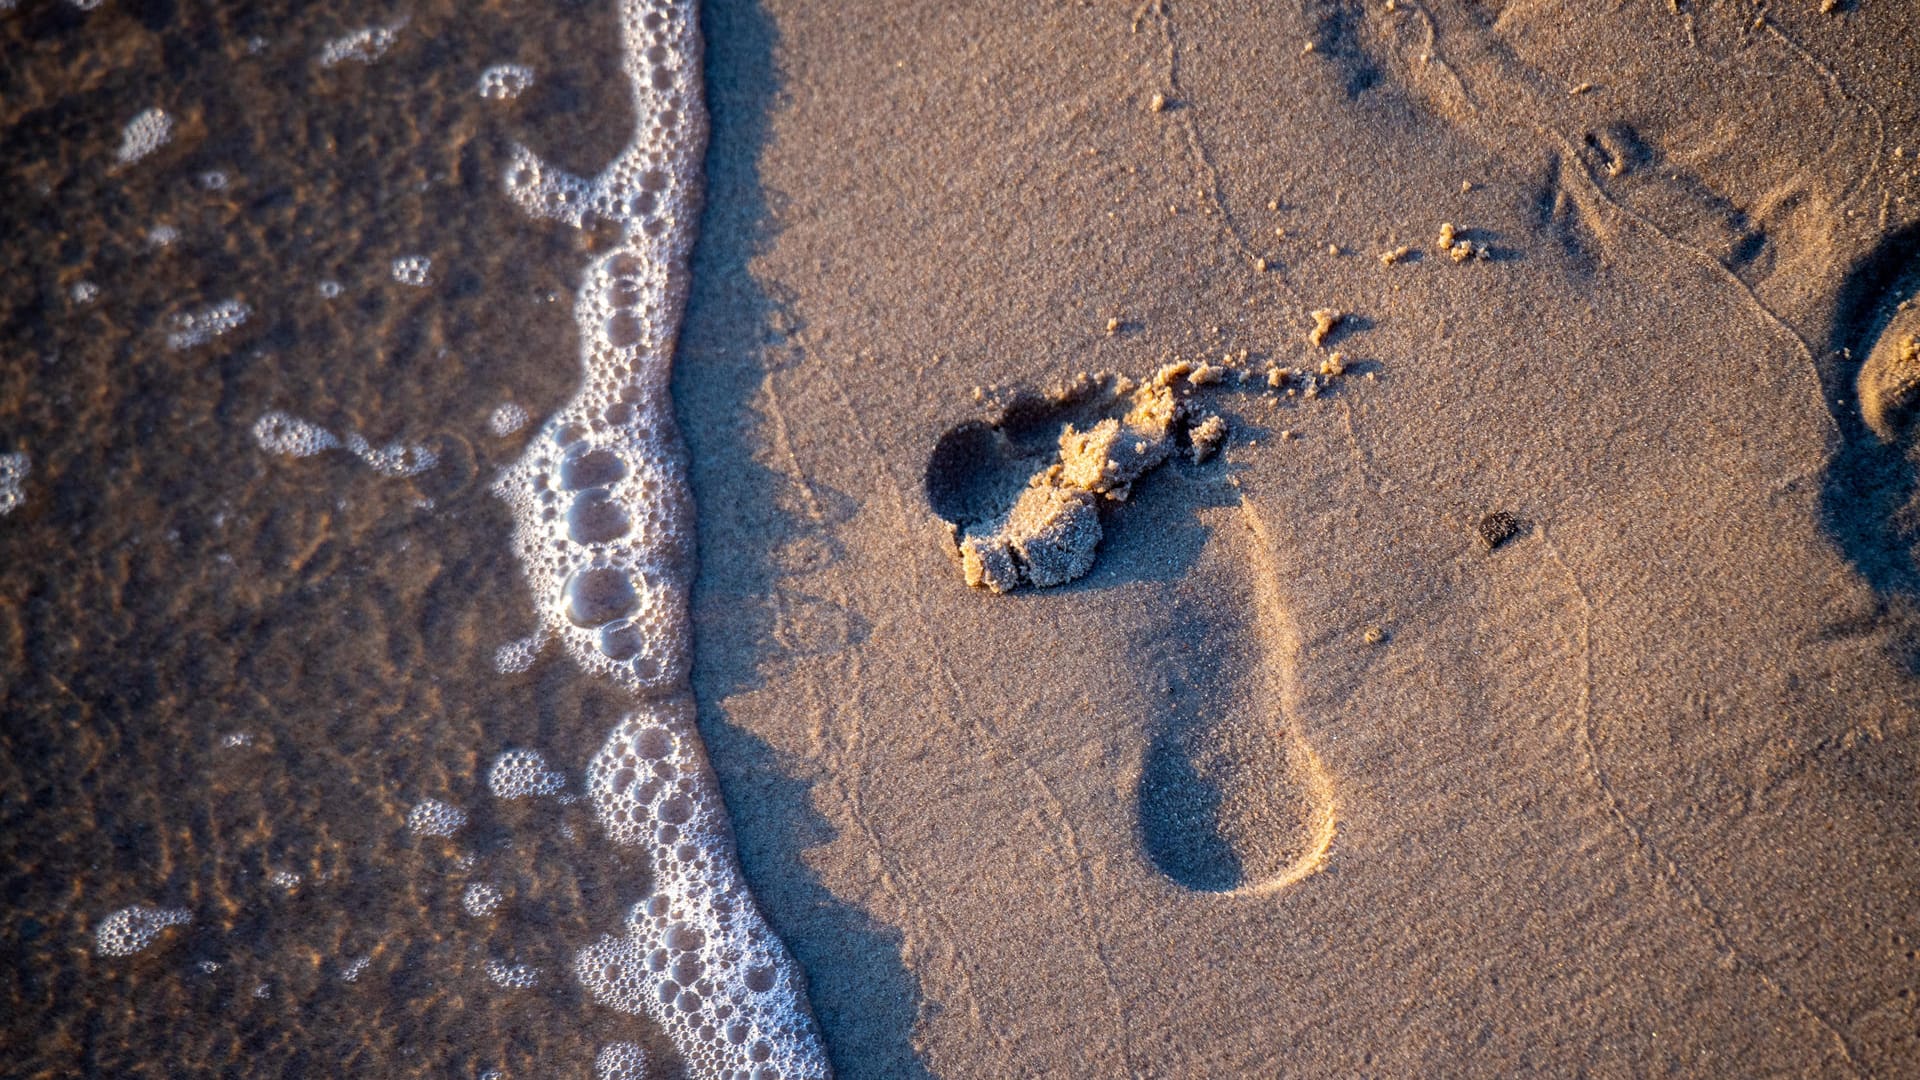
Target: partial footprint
{"x":1871,"y":491}
{"x":1636,"y":171}
{"x":1889,"y":382}
{"x":1230,"y":798}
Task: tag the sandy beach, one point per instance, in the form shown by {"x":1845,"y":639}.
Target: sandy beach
{"x":1630,"y":794}
{"x":1526,"y":682}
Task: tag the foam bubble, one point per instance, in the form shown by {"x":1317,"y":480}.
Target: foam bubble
{"x":393,"y":459}
{"x":695,"y":953}
{"x":131,"y":929}
{"x":620,"y":1061}
{"x":162,"y":235}
{"x":604,"y":531}
{"x":512,"y":976}
{"x":354,"y":968}
{"x":412,"y":270}
{"x":516,"y":656}
{"x":144,"y":134}
{"x":14,"y":467}
{"x":191,"y":328}
{"x":214,"y":180}
{"x":481,"y":899}
{"x":84,"y":292}
{"x":362,"y":46}
{"x":520,"y":774}
{"x":507,"y":419}
{"x":503,"y":82}
{"x":289,"y":436}
{"x":431,"y":817}
{"x":285,"y":879}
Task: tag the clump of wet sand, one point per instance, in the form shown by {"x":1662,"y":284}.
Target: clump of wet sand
{"x":1457,"y":247}
{"x":1049,"y":534}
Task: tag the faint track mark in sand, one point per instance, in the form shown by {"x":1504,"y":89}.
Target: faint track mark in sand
{"x":1664,"y":867}
{"x":1699,"y":255}
{"x":1203,"y":166}
{"x":1512,"y":85}
{"x":1764,"y":24}
{"x":1869,"y":167}
{"x":1369,"y":483}
{"x":1510,"y":76}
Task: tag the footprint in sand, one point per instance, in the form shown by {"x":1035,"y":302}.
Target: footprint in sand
{"x":1230,"y":798}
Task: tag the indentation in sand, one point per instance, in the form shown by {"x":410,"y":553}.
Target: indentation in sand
{"x":1231,"y":799}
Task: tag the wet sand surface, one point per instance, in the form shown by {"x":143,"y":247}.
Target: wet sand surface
{"x":1632,"y":792}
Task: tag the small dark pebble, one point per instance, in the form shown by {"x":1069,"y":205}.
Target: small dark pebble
{"x":1497,"y":528}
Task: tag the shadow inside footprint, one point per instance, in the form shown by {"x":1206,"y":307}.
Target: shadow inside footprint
{"x":1180,"y":815}
{"x":977,"y":470}
{"x":1232,"y":804}
{"x":1190,"y":769}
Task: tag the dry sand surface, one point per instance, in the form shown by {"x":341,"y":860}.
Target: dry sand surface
{"x":1304,"y":777}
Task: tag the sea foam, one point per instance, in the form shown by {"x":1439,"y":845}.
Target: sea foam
{"x":131,"y":929}
{"x":13,"y":480}
{"x":604,"y":531}
{"x":144,"y":134}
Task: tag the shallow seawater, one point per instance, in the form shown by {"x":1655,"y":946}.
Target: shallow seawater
{"x":227,"y":675}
